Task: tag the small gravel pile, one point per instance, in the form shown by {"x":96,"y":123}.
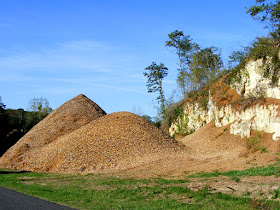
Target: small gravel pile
{"x":67,"y":142}
{"x":72,"y":115}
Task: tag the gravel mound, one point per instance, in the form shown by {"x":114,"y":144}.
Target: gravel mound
{"x":70,"y":116}
{"x":111,"y":143}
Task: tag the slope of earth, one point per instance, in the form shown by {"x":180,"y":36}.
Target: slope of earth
{"x":70,"y":116}
{"x":111,"y":143}
{"x":213,"y":148}
{"x":225,"y":151}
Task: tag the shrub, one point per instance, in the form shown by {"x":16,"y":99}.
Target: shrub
{"x":253,"y":141}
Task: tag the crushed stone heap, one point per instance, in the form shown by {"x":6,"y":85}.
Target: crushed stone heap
{"x":70,"y":116}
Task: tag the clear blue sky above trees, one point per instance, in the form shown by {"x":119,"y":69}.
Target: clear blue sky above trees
{"x":59,"y":49}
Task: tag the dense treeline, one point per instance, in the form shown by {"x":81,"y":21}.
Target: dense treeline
{"x":15,"y":123}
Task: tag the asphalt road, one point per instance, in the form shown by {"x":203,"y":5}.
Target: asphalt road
{"x":10,"y":199}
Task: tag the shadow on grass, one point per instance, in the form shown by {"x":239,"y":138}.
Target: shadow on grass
{"x":13,"y":172}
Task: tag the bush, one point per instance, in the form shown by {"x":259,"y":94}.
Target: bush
{"x":253,"y":141}
{"x":172,"y":112}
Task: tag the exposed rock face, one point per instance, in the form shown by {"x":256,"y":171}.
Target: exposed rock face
{"x":261,"y":116}
{"x":254,"y":84}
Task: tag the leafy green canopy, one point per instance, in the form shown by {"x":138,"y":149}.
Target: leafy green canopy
{"x":204,"y":66}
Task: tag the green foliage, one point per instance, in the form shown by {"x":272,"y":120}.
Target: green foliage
{"x":147,"y":117}
{"x":197,"y":67}
{"x":179,"y":110}
{"x":266,"y":48}
{"x":2,"y":106}
{"x":15,"y":123}
{"x":261,"y":48}
{"x":40,"y":105}
{"x":184,"y":46}
{"x":237,"y":179}
{"x":239,"y":56}
{"x":183,"y":125}
{"x":276,"y":193}
{"x":172,"y":112}
{"x":205,"y":65}
{"x":157,"y":122}
{"x":253,"y":141}
{"x":156,"y":73}
{"x":4,"y":126}
{"x":263,"y":150}
{"x":203,"y":103}
{"x":268,"y":12}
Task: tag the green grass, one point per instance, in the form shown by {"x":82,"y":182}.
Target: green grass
{"x":99,"y":192}
{"x":256,"y":171}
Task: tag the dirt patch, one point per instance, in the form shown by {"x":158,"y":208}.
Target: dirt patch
{"x":254,"y":187}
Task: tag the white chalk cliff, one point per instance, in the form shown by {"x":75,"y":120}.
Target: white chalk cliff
{"x":259,"y":116}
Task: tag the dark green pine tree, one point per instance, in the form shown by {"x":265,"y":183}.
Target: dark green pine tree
{"x":155,"y":74}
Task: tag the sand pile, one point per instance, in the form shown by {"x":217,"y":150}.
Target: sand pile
{"x":113,"y":142}
{"x":72,"y":115}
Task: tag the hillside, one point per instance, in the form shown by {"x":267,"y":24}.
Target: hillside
{"x":250,"y":102}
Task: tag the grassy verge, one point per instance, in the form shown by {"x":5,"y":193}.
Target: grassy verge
{"x":257,"y":171}
{"x":99,"y":192}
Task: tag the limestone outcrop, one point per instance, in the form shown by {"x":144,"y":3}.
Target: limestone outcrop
{"x":257,"y":107}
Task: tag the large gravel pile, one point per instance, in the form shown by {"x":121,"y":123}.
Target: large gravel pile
{"x":112,"y":142}
{"x":72,"y":115}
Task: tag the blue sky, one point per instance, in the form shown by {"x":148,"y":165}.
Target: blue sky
{"x":57,"y":49}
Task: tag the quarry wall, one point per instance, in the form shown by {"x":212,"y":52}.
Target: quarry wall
{"x":257,"y":116}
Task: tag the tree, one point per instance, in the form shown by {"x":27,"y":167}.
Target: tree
{"x":39,"y":108}
{"x":183,"y":47}
{"x":267,"y":12}
{"x":4,"y":125}
{"x":239,"y":56}
{"x":155,"y":75}
{"x":205,"y":65}
{"x":40,"y":105}
{"x":2,"y":106}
